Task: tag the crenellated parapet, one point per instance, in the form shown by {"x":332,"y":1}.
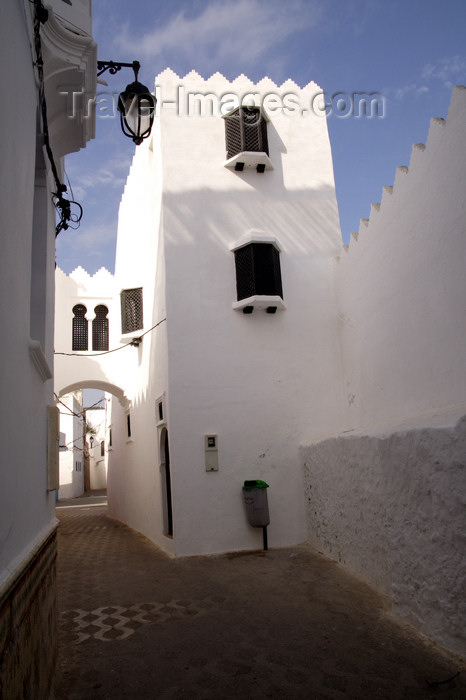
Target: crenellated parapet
{"x":401,"y":286}
{"x":439,"y":147}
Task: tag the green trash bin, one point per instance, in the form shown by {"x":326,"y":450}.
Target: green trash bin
{"x":255,"y":500}
{"x":257,"y":507}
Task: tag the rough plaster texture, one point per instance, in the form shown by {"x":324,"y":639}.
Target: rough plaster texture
{"x":385,"y":495}
{"x":391,"y":508}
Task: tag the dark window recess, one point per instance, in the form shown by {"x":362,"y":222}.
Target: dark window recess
{"x":128,"y":425}
{"x":80,"y":330}
{"x":110,"y":437}
{"x":100,"y":328}
{"x":102,"y":448}
{"x":258,"y":271}
{"x":246,"y":130}
{"x":160,"y":410}
{"x":131,"y":310}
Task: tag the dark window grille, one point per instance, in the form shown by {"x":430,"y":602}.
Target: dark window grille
{"x":80,"y":330}
{"x":100,"y":328}
{"x":131,"y":310}
{"x":258,"y":271}
{"x":246,"y":130}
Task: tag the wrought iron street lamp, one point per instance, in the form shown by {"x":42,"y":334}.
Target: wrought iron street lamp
{"x":135,"y":104}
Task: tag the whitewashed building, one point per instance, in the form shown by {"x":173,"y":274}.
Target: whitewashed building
{"x":99,"y":442}
{"x":71,"y":448}
{"x":255,"y":346}
{"x":62,"y":38}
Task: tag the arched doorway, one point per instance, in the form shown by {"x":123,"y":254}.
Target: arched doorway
{"x":85,"y":437}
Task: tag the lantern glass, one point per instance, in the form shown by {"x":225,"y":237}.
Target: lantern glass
{"x":138,"y":115}
{"x":137,"y":107}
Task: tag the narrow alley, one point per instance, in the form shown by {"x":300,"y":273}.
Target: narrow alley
{"x":287,"y":623}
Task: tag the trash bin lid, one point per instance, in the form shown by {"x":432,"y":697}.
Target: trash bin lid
{"x":254,"y":484}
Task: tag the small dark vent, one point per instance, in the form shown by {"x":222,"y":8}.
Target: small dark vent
{"x":258,"y":271}
{"x":80,"y":330}
{"x":131,"y":310}
{"x":100,"y":328}
{"x":246,"y":130}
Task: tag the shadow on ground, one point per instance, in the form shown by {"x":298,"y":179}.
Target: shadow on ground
{"x":287,"y":623}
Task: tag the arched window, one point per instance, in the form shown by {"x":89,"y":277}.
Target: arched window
{"x":80,"y":340}
{"x":100,"y":328}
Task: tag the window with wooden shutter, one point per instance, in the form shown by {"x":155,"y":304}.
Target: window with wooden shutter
{"x":258,"y":271}
{"x":246,"y":139}
{"x":131,"y":310}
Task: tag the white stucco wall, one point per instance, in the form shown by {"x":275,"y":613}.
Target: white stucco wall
{"x":27,"y":272}
{"x":112,"y":372}
{"x":26,"y":395}
{"x":71,"y":460}
{"x":385,"y":495}
{"x":401,"y":288}
{"x":239,"y":377}
{"x":391,"y":508}
{"x":98,"y":462}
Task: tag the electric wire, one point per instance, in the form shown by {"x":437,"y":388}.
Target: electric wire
{"x":107,"y":352}
{"x":61,"y":204}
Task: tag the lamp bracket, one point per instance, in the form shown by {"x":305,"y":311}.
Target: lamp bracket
{"x":115,"y":66}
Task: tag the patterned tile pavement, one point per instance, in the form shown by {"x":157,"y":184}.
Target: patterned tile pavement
{"x":285,"y":624}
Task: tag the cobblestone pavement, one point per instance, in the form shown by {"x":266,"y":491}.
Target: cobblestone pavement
{"x":287,"y":623}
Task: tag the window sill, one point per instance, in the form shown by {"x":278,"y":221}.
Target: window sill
{"x":260,"y":301}
{"x":129,"y":337}
{"x":250,"y":159}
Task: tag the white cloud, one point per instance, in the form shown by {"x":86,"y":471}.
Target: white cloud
{"x":234,"y":31}
{"x":85,"y":180}
{"x":449,"y":70}
{"x":412,"y":89}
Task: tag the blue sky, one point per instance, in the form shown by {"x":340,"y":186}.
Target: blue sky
{"x":410,"y":51}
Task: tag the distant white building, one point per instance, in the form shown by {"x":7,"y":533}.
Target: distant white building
{"x":72,"y":452}
{"x":41,"y":53}
{"x":247,"y":343}
{"x":99,"y":440}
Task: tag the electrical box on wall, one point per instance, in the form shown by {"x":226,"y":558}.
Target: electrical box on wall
{"x":211,"y":453}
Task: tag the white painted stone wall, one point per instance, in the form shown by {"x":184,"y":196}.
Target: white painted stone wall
{"x":71,"y":460}
{"x":401,"y":288}
{"x":391,"y":508}
{"x":27,"y":225}
{"x":111,"y":372}
{"x":385,"y":496}
{"x":222,"y":372}
{"x":98,"y":462}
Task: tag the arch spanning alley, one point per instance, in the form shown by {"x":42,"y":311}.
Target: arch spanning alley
{"x":95,"y":384}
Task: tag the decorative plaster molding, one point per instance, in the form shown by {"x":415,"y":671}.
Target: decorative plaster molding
{"x":38,"y":358}
{"x":255,"y":236}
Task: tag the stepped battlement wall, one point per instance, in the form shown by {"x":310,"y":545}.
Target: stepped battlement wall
{"x":401,"y":287}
